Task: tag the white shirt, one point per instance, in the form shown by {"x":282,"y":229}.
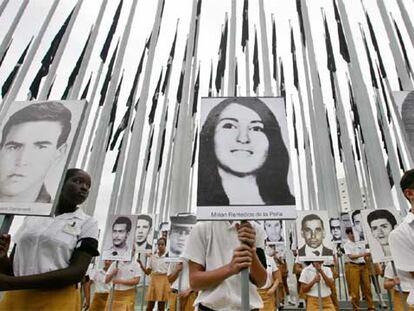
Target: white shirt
{"x":312,"y":252}
{"x":271,"y":267}
{"x":309,"y":273}
{"x":354,"y":248}
{"x":126,"y":270}
{"x":401,"y":242}
{"x":158,"y":264}
{"x":406,"y":280}
{"x":98,"y":278}
{"x":46,"y":244}
{"x":211,"y":245}
{"x":184,"y":274}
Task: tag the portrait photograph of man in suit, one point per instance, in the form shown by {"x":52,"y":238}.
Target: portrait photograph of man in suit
{"x":313,"y":235}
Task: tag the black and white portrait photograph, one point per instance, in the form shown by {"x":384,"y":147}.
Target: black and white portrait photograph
{"x":314,"y":236}
{"x":336,"y":230}
{"x":244,"y":168}
{"x":378,"y":224}
{"x":357,"y":226}
{"x":274,"y":230}
{"x":345,"y":223}
{"x":36,"y":140}
{"x":405,"y":105}
{"x":119,"y":238}
{"x":180,"y":229}
{"x":144,"y":233}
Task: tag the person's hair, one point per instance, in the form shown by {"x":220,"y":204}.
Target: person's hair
{"x":163,"y":239}
{"x":309,"y":218}
{"x":355,"y":213}
{"x":70,"y":172}
{"x":271,"y":177}
{"x":331,"y":219}
{"x":52,"y":111}
{"x":349,"y":230}
{"x":382,"y":214}
{"x":123,"y":220}
{"x":279,"y":220}
{"x":145,"y":217}
{"x":407,"y":180}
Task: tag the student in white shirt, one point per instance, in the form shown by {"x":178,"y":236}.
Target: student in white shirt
{"x":358,"y":271}
{"x":391,"y":282}
{"x":267,"y":292}
{"x":217,"y":252}
{"x":101,"y":289}
{"x":124,"y":275}
{"x":178,"y":276}
{"x":157,"y":268}
{"x":311,"y":275}
{"x":51,"y":254}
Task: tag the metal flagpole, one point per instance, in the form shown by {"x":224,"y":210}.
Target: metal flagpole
{"x":265,"y":51}
{"x":403,"y":302}
{"x":3,"y":6}
{"x":232,"y":50}
{"x":407,"y":21}
{"x":111,"y":295}
{"x":8,"y":37}
{"x":319,"y":296}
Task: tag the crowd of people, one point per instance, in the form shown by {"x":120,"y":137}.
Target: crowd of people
{"x":51,"y":255}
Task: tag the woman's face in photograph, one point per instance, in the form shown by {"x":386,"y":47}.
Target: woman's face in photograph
{"x":273,"y":230}
{"x":240,"y":144}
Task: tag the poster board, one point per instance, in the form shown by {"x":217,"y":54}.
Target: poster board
{"x":335,"y":228}
{"x":119,"y":237}
{"x":274,"y":229}
{"x":346,"y":222}
{"x":37,"y":140}
{"x":314,"y":236}
{"x":144,"y":233}
{"x":180,"y":229}
{"x":378,"y":224}
{"x":244,"y":170}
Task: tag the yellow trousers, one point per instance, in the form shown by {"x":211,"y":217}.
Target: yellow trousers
{"x":62,"y":299}
{"x":347,"y":277}
{"x":186,"y":304}
{"x":359,"y":277}
{"x":98,"y":302}
{"x":269,"y":302}
{"x":123,"y":300}
{"x":312,"y":304}
{"x":397,"y":301}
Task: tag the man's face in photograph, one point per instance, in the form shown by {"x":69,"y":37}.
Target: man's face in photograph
{"x":143,"y":228}
{"x":178,"y":237}
{"x":273,"y":230}
{"x":381,"y":229}
{"x":313,"y":233}
{"x":28,"y":151}
{"x":358,"y":224}
{"x":119,"y":235}
{"x":335,"y":225}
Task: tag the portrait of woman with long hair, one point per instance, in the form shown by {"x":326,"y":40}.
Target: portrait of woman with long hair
{"x":243,"y":159}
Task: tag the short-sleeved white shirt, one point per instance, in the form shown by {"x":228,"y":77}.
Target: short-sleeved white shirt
{"x":157,"y":263}
{"x":401,"y":241}
{"x":355,"y":248}
{"x":126,"y":271}
{"x":46,"y":244}
{"x":184,"y":274}
{"x":309,"y":273}
{"x":98,"y":278}
{"x":271,"y":267}
{"x":406,"y":280}
{"x":211,"y":245}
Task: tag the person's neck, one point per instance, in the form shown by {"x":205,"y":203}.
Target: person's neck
{"x":29,"y":195}
{"x":65,"y":207}
{"x":240,"y":189}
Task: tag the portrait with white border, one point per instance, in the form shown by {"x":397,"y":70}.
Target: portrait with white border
{"x":144,"y":233}
{"x":36,"y":143}
{"x":378,"y":224}
{"x":119,"y":238}
{"x":180,"y":229}
{"x":314,"y":236}
{"x":244,"y":169}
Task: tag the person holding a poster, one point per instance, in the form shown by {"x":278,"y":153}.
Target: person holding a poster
{"x":217,"y":252}
{"x":273,"y":229}
{"x":144,"y":226}
{"x":157,"y":268}
{"x":178,"y":276}
{"x":243,"y":159}
{"x":313,"y":232}
{"x":391,"y":282}
{"x":382,"y":222}
{"x":358,"y":271}
{"x":51,"y":254}
{"x":311,"y":275}
{"x":33,"y":140}
{"x":124,"y":275}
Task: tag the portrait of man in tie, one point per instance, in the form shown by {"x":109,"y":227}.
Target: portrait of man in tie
{"x":315,"y":237}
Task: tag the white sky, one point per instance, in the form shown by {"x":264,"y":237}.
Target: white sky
{"x":212,"y":18}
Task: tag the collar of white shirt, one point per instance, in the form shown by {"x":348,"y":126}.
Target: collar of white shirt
{"x":79,"y":213}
